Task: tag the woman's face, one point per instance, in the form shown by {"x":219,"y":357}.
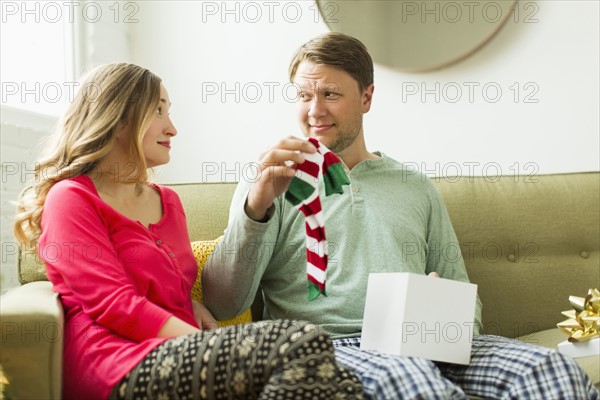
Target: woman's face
{"x":156,"y":144}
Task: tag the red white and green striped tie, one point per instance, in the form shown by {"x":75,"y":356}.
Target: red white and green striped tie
{"x":303,"y":193}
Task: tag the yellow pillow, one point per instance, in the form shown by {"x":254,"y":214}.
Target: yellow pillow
{"x":202,"y":249}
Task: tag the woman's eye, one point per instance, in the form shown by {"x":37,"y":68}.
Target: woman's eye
{"x":159,"y":110}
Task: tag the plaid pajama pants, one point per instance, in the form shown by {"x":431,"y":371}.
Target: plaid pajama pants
{"x":500,"y":368}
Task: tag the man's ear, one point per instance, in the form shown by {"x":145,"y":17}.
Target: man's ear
{"x":367,"y":98}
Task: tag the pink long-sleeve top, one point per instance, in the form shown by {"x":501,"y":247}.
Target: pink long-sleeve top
{"x":118,"y":282}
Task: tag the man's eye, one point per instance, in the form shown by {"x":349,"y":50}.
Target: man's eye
{"x":303,"y":96}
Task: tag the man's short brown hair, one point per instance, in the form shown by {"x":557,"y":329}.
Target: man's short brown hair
{"x":340,"y":51}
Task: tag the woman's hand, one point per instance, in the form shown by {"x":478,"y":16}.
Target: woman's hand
{"x":203,"y":317}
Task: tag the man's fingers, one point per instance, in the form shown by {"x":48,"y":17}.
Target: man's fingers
{"x":434,"y":275}
{"x":292,"y":143}
{"x":277,"y":156}
{"x":296,"y":144}
{"x":278,"y":166}
{"x":271,"y":172}
{"x":302,"y":145}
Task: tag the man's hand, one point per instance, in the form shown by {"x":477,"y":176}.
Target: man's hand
{"x":203,"y":317}
{"x":277,"y":168}
{"x":434,"y":275}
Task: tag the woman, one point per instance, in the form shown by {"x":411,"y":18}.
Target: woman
{"x":117,"y":251}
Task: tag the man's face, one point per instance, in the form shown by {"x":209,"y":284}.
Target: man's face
{"x":331,"y":105}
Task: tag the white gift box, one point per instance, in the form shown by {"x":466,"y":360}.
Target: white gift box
{"x":419,"y":316}
{"x":580,"y":349}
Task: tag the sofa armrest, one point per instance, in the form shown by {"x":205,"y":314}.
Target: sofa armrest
{"x":32,"y":341}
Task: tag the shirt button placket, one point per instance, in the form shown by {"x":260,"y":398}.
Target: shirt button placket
{"x":171,"y":254}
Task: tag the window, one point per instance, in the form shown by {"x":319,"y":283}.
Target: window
{"x":36,"y":56}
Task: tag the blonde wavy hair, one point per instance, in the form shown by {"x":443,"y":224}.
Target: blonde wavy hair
{"x":110,"y":97}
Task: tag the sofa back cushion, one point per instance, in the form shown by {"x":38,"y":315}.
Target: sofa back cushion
{"x":528,"y":242}
{"x":206,"y":207}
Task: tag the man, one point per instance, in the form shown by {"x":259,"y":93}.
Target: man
{"x":385,"y":210}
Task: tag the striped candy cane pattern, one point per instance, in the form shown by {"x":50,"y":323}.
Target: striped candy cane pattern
{"x":303,"y":193}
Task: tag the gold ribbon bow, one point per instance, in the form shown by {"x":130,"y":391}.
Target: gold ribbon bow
{"x":584,"y":320}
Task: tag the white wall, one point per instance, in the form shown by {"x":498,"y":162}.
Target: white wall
{"x":553,"y":60}
{"x":21,"y":134}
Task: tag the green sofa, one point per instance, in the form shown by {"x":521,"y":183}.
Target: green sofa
{"x":528,"y":243}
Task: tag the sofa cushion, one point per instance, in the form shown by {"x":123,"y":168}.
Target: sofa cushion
{"x":30,"y":267}
{"x":206,"y":207}
{"x":552,"y":337}
{"x":202,"y":249}
{"x":526,"y":241}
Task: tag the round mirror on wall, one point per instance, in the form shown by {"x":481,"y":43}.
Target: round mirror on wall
{"x":416,"y":36}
